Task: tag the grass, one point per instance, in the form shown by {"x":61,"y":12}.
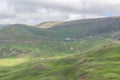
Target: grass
{"x":11,"y":61}
{"x":98,"y":61}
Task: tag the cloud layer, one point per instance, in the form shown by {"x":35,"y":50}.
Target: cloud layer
{"x":36,"y":11}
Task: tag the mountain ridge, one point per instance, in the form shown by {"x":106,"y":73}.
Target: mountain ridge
{"x":48,"y":24}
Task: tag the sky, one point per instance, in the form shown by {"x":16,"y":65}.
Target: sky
{"x":37,"y":11}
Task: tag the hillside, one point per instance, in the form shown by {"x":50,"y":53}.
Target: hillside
{"x":107,"y":27}
{"x":74,"y":50}
{"x":22,"y":32}
{"x":48,"y":24}
{"x":104,"y":27}
{"x":96,"y":64}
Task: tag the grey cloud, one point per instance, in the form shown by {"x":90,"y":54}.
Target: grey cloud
{"x":74,"y":6}
{"x":35,"y":11}
{"x":6,"y":16}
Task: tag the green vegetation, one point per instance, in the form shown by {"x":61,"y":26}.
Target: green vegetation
{"x":99,"y":62}
{"x":102,"y":27}
{"x":75,"y":50}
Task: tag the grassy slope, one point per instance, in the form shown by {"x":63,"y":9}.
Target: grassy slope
{"x":22,"y":33}
{"x":48,"y":47}
{"x":19,"y":32}
{"x":96,"y":63}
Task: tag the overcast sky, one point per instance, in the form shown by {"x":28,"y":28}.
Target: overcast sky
{"x":36,"y":11}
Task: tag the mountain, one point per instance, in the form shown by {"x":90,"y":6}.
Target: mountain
{"x":15,"y":31}
{"x":104,"y":27}
{"x":18,"y":39}
{"x":108,"y":27}
{"x":19,"y":35}
{"x":4,"y":25}
{"x":21,"y":32}
{"x":48,"y":24}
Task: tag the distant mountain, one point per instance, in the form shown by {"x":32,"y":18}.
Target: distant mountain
{"x":108,"y":27}
{"x":4,"y":25}
{"x":48,"y":24}
{"x":20,"y":32}
{"x":104,"y":27}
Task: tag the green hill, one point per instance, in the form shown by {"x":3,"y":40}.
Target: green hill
{"x":74,"y":50}
{"x":96,"y":64}
{"x":20,"y":32}
{"x":107,"y":27}
{"x":4,"y":25}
